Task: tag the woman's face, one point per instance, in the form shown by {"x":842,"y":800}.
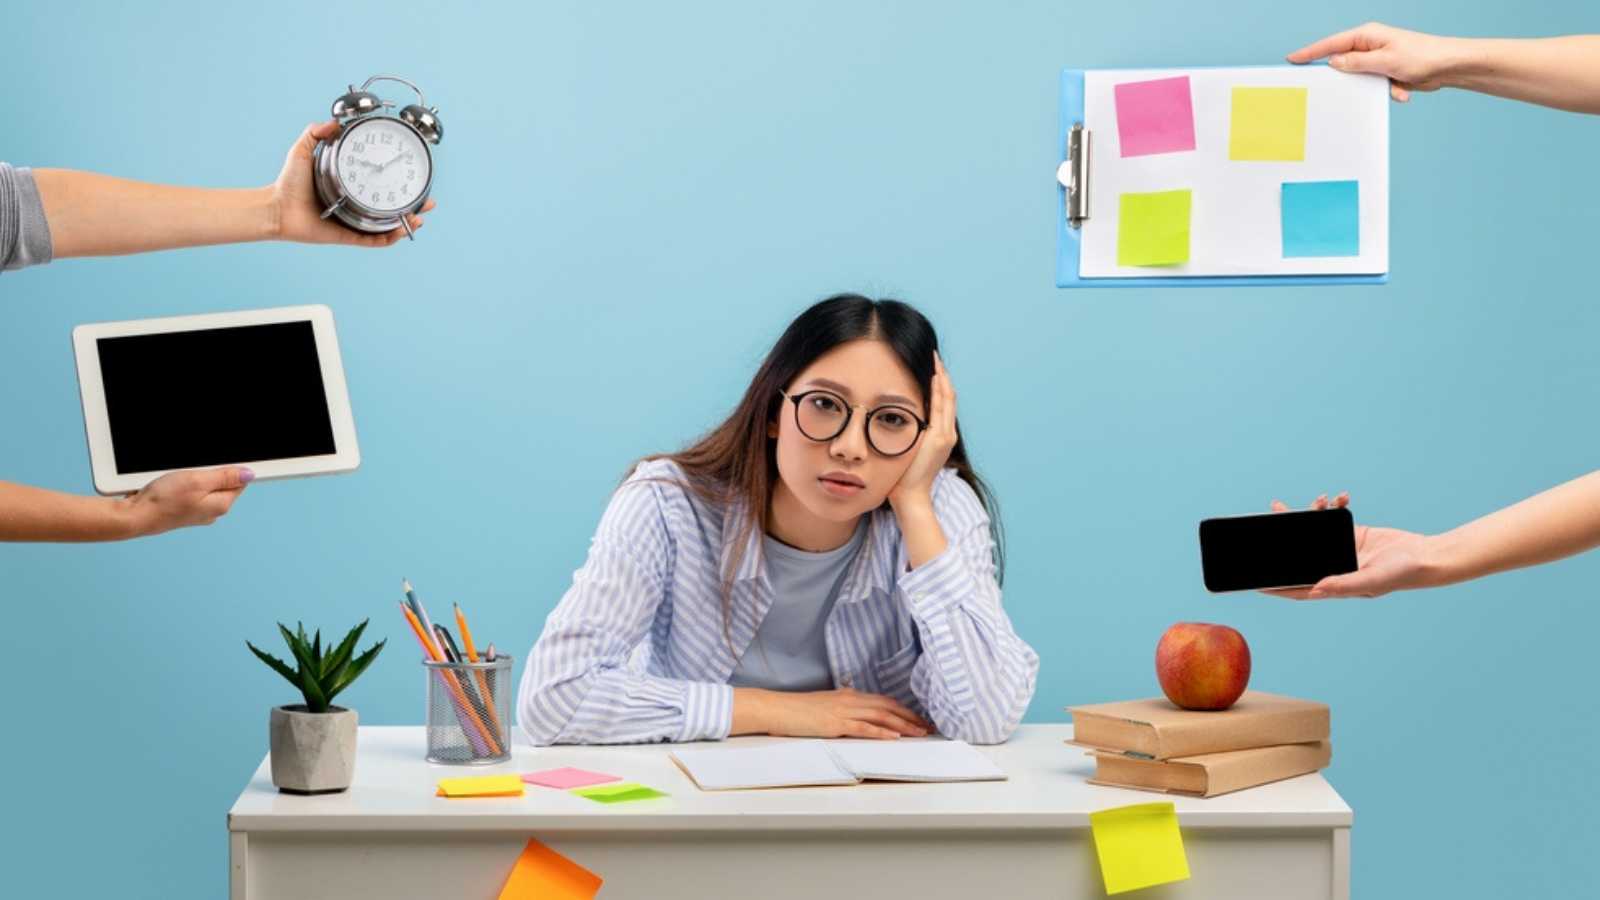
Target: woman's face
{"x":840,"y":479}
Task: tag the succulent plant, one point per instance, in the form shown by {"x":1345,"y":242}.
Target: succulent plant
{"x":320,"y":677}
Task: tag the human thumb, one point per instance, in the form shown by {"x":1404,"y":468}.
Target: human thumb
{"x":231,"y":478}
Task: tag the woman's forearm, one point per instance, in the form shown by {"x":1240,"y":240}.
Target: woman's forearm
{"x":752,"y":711}
{"x":1562,"y":72}
{"x":1548,"y":526}
{"x":920,"y":528}
{"x":35,"y":514}
{"x":99,"y":215}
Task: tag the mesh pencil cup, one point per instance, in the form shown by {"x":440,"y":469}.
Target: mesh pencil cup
{"x":469,"y":711}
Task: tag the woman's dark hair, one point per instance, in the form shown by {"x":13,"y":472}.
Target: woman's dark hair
{"x":736,"y":461}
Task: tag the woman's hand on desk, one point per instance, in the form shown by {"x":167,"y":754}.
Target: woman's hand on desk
{"x":182,"y":499}
{"x":844,"y":712}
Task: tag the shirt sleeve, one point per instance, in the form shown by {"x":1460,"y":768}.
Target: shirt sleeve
{"x":24,"y":234}
{"x":577,"y":687}
{"x":975,"y":676}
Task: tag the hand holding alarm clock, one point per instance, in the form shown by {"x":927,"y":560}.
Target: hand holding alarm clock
{"x":373,"y":171}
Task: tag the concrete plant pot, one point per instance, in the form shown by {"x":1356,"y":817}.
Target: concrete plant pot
{"x":313,"y":753}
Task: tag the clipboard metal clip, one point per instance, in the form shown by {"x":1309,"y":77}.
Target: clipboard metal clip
{"x":1073,"y":173}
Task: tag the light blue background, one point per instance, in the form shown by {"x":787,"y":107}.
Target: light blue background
{"x":633,"y":202}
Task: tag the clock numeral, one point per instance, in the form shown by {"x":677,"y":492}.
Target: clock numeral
{"x":375,"y":198}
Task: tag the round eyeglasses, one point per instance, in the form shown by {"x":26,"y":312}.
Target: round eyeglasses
{"x":823,"y":415}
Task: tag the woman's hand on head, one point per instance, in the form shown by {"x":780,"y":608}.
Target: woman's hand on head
{"x":1411,"y":60}
{"x":297,"y":213}
{"x":843,"y":712}
{"x":183,"y":499}
{"x":933,"y":446}
{"x":1387,"y":559}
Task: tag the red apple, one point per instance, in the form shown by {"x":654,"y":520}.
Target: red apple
{"x":1202,"y":666}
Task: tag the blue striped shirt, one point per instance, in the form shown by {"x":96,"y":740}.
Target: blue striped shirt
{"x":636,"y":651}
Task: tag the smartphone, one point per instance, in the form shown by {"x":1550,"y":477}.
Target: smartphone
{"x":1276,"y":550}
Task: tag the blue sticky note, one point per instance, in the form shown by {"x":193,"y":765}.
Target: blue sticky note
{"x":1321,"y":218}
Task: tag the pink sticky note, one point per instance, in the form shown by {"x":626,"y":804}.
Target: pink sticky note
{"x":566,"y":778}
{"x":1155,"y":116}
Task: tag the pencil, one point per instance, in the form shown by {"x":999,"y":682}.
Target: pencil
{"x":472,"y":654}
{"x":466,"y":633}
{"x":422,"y":616}
{"x":478,"y":746}
{"x":482,"y":741}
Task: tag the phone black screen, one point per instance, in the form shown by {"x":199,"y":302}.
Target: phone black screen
{"x":1289,"y":549}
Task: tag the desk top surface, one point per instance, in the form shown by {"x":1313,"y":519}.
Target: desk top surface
{"x":1046,"y":788}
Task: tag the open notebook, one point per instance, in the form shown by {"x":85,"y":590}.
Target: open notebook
{"x":811,"y":762}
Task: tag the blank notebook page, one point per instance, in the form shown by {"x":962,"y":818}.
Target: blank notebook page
{"x":781,"y":764}
{"x":915,"y":760}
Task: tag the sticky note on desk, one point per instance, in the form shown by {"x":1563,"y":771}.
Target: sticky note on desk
{"x":566,"y":778}
{"x":1154,"y":116}
{"x":1139,"y":846}
{"x":1268,"y":123}
{"x":1321,"y":218}
{"x":619,"y":793}
{"x":543,"y":874}
{"x":1153,"y":229}
{"x":481,"y":786}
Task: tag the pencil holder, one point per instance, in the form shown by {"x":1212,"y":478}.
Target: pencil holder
{"x":469,"y":711}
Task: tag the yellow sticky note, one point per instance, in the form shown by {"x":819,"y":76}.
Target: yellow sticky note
{"x":1268,"y":123}
{"x":543,"y":874}
{"x":1139,"y":846}
{"x":1153,"y":229}
{"x":481,"y":786}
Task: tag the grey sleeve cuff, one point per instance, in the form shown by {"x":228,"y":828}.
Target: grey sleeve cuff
{"x":24,"y":233}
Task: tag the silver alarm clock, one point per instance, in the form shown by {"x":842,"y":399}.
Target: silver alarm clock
{"x":378,"y":171}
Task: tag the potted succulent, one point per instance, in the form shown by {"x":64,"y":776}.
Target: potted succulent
{"x":314,"y":743}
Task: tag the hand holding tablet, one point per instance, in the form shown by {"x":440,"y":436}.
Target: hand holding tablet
{"x":262,"y":389}
{"x":184,"y":499}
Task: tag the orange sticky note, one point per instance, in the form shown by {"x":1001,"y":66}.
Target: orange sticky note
{"x":481,"y":786}
{"x":543,"y":874}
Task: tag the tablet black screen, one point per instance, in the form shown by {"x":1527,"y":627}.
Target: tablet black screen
{"x":215,"y":397}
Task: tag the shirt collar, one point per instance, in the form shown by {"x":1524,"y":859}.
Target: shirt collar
{"x":867,"y":573}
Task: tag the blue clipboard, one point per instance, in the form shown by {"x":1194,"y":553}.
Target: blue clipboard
{"x":1069,"y":240}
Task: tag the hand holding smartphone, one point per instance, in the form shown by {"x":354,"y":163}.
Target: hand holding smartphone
{"x":1276,"y":550}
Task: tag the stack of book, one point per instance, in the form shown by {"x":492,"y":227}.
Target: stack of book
{"x":1155,"y":746}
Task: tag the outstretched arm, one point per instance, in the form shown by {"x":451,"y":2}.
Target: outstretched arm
{"x":1561,"y":72}
{"x":100,"y":215}
{"x":175,"y":500}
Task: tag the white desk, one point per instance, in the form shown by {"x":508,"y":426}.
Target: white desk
{"x":1027,"y":837}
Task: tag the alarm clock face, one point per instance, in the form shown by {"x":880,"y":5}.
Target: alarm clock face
{"x":383,"y":164}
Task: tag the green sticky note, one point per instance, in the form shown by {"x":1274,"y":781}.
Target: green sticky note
{"x":1153,"y":229}
{"x":1139,"y":846}
{"x":619,"y":793}
{"x":1269,"y":123}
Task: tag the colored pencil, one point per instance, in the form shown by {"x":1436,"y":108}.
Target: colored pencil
{"x":472,"y":654}
{"x":482,"y":740}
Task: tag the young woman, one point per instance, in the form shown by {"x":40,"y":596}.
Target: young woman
{"x":821,"y":564}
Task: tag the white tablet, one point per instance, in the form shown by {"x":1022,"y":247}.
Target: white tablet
{"x":263,"y":388}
